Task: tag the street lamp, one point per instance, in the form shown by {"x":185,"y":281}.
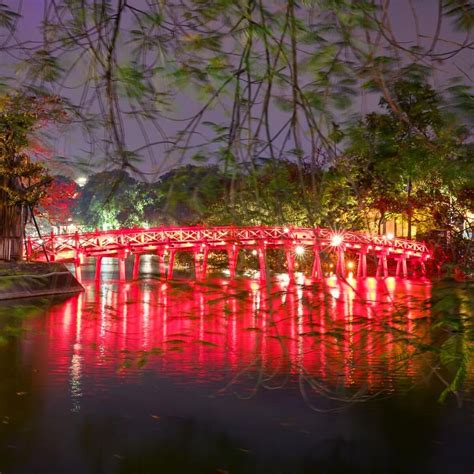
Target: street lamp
{"x":81,"y":181}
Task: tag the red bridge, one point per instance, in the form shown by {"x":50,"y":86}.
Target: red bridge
{"x":166,"y":241}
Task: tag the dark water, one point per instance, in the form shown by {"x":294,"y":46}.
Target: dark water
{"x":153,"y":377}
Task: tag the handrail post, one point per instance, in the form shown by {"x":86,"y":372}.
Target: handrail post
{"x":53,"y":250}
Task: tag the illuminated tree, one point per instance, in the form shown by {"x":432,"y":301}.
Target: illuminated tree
{"x":404,"y":166}
{"x":58,"y":203}
{"x":23,"y":181}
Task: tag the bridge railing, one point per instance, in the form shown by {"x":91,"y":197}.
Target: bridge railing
{"x":98,"y":241}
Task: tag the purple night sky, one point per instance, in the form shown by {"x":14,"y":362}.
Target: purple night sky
{"x":72,"y":144}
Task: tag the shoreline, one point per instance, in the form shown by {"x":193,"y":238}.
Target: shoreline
{"x":20,"y":280}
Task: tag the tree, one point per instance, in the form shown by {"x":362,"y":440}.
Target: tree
{"x":186,"y":194}
{"x":57,"y":205}
{"x":395,"y":165}
{"x":23,"y":181}
{"x":103,"y":198}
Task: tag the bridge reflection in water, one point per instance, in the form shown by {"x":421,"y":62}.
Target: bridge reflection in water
{"x":337,"y":335}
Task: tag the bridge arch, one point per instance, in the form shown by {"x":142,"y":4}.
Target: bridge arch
{"x":166,"y":241}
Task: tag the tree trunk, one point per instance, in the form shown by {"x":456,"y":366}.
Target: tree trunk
{"x":12,"y":218}
{"x":380,"y":222}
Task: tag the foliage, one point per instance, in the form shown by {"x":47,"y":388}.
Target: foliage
{"x":24,"y":181}
{"x":453,"y":309}
{"x":57,"y":205}
{"x":410,"y":166}
{"x":282,"y":78}
{"x":111,"y":199}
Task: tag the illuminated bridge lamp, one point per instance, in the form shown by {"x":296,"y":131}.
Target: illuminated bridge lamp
{"x":300,"y":250}
{"x":390,"y":236}
{"x":350,"y":265}
{"x":336,"y":240}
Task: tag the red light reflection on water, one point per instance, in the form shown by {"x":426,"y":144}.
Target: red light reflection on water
{"x":345,"y":333}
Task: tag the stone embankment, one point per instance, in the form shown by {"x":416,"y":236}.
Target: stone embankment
{"x":29,"y":280}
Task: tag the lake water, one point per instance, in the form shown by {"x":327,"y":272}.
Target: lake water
{"x":215,"y":377}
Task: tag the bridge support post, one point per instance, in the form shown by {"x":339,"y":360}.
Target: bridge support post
{"x":171,"y":264}
{"x":316,"y":272}
{"x":200,"y":262}
{"x":262,"y":263}
{"x":204,"y":261}
{"x":404,"y":268}
{"x":422,"y":267}
{"x":122,"y":270}
{"x":162,"y":263}
{"x":401,"y":267}
{"x":136,"y":266}
{"x":77,"y":269}
{"x":382,"y":268}
{"x":198,"y":265}
{"x":362,"y":265}
{"x":98,"y":268}
{"x":233,"y":255}
{"x":290,"y":263}
{"x":340,"y":265}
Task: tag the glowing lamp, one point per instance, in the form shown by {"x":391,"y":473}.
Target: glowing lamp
{"x":254,"y":252}
{"x":336,"y":240}
{"x":286,"y":230}
{"x":390,"y":236}
{"x":299,"y":250}
{"x":350,"y":265}
{"x":81,"y":181}
{"x":254,"y":286}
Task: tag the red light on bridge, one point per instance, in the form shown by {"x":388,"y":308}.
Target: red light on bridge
{"x":167,"y":241}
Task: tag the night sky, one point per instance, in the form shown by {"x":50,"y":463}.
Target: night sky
{"x":71,"y":144}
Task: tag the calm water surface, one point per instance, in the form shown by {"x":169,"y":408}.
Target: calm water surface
{"x":155,"y":377}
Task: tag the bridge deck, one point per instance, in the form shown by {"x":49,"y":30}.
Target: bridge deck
{"x":166,"y":241}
